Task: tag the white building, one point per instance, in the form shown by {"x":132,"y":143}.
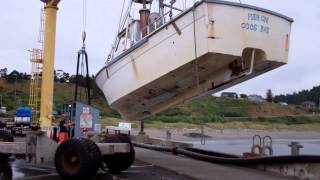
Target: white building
{"x":256,"y":98}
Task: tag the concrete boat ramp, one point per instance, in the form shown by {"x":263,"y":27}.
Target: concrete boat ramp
{"x":196,"y":169}
{"x":158,"y":165}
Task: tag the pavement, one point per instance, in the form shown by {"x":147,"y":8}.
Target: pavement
{"x":153,"y":165}
{"x":201,"y":170}
{"x":139,"y":171}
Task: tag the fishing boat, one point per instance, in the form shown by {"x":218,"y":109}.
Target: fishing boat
{"x":172,"y":55}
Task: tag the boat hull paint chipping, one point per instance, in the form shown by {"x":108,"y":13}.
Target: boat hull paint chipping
{"x":214,"y":51}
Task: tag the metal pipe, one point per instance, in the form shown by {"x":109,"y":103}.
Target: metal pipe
{"x":252,"y":60}
{"x":142,"y":127}
{"x":77,"y":79}
{"x":88,"y":79}
{"x":144,"y":4}
{"x":144,"y":17}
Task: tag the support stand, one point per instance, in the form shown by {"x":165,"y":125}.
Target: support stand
{"x":142,"y":127}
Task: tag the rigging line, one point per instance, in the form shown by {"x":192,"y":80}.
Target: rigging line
{"x":121,"y":21}
{"x":122,"y":9}
{"x":125,"y":16}
{"x":122,"y":24}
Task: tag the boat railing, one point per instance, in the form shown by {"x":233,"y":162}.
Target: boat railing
{"x":152,"y":26}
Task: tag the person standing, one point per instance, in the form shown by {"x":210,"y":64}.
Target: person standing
{"x":64,"y":126}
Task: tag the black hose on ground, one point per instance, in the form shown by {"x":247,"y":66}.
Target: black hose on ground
{"x":152,"y":147}
{"x":212,"y":153}
{"x":220,"y":158}
{"x":251,"y":161}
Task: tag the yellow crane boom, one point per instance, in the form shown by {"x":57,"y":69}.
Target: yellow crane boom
{"x":51,"y":8}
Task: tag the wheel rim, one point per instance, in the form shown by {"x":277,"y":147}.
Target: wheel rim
{"x":71,"y":161}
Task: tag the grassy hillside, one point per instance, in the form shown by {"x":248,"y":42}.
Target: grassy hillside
{"x":218,"y":109}
{"x":213,"y":111}
{"x":63,"y":93}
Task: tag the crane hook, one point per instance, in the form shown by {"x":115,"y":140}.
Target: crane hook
{"x":84,"y":36}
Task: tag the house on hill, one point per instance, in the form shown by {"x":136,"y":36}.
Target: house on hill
{"x":230,"y":95}
{"x":243,"y":96}
{"x":308,"y":105}
{"x":256,"y":98}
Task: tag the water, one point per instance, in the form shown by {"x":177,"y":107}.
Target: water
{"x":280,"y":146}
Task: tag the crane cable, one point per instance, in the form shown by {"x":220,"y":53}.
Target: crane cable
{"x":84,"y":36}
{"x":84,"y":22}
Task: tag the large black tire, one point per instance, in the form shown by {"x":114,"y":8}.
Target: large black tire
{"x":2,"y":125}
{"x":77,"y":159}
{"x":5,"y":171}
{"x":120,"y":161}
{"x":5,"y":137}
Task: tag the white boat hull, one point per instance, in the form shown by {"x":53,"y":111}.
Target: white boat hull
{"x":211,"y":49}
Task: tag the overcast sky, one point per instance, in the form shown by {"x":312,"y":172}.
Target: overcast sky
{"x":19,"y":23}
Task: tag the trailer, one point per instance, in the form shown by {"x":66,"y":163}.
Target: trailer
{"x":76,"y":158}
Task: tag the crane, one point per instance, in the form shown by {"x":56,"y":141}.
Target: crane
{"x":50,"y":9}
{"x":75,"y":154}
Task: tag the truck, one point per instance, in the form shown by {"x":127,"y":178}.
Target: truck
{"x":20,"y":123}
